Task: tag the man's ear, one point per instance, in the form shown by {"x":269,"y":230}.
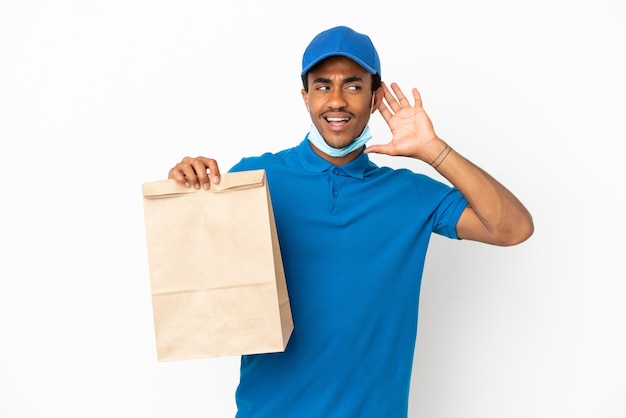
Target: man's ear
{"x":305,"y":98}
{"x":377,"y":98}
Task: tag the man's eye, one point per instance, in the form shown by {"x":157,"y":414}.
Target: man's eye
{"x":322,"y":88}
{"x":353,"y":87}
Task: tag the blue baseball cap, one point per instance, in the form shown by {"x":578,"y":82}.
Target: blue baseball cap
{"x":341,"y":41}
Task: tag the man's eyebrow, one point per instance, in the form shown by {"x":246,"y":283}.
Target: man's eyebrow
{"x":324,"y":80}
{"x":352,"y":79}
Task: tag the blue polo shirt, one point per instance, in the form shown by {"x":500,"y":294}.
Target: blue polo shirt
{"x":353,"y":240}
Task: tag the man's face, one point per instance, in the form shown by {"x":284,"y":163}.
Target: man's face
{"x":339,"y":100}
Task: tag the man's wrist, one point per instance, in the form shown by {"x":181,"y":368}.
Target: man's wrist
{"x":441,"y":156}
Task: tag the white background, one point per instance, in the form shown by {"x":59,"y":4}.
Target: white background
{"x":97,"y":97}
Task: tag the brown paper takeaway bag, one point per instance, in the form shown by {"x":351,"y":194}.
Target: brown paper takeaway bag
{"x":216,"y":273}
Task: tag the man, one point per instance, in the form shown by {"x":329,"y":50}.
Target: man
{"x":354,"y":236}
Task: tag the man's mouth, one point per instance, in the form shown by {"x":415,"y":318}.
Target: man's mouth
{"x":337,"y":122}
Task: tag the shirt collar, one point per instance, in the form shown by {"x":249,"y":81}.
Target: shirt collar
{"x":313,"y":163}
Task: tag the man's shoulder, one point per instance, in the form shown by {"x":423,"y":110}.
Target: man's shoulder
{"x":267,"y":160}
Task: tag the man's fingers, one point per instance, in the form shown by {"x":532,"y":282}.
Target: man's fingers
{"x":213,"y":168}
{"x":384,"y":111}
{"x":417,"y":97}
{"x":403,"y":101}
{"x":177,"y":174}
{"x":192,"y":172}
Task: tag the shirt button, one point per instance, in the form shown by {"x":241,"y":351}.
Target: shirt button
{"x":336,"y":171}
{"x":335,"y":193}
